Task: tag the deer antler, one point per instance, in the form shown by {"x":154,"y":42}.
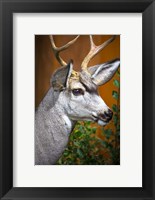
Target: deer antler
{"x":94,"y":50}
{"x":57,"y":50}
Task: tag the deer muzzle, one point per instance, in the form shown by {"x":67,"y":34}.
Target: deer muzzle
{"x":103,"y":118}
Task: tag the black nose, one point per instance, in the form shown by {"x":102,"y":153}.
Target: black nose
{"x":107,"y":115}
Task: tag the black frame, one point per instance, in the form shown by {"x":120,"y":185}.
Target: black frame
{"x":7,"y":8}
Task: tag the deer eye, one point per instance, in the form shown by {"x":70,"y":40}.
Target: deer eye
{"x":78,"y":92}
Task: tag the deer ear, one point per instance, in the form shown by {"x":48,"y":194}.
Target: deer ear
{"x":102,"y":73}
{"x":60,"y":78}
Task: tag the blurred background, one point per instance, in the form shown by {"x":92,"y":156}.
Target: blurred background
{"x":89,"y":142}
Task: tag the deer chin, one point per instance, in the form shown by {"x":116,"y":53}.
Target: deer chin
{"x":101,"y":122}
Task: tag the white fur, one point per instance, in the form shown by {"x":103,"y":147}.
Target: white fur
{"x":67,"y":121}
{"x":101,"y":123}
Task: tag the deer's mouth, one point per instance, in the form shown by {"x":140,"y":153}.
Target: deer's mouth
{"x":99,"y":120}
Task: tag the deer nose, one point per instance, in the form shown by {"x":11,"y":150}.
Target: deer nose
{"x":107,"y":115}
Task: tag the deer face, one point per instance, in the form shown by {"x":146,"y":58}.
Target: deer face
{"x":79,"y":93}
{"x":85,"y":104}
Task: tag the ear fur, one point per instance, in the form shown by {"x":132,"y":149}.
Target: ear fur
{"x":60,"y":78}
{"x":102,"y":73}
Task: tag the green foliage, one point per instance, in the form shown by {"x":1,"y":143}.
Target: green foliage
{"x":116,"y":83}
{"x":115,"y":108}
{"x":86,"y":148}
{"x":107,"y":132}
{"x":115,"y":94}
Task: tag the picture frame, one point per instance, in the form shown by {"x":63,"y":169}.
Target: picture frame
{"x":7,"y":8}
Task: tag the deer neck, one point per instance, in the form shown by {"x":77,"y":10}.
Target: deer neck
{"x":52,"y":129}
{"x":62,"y":120}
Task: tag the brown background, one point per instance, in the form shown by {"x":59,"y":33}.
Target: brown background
{"x":46,"y":64}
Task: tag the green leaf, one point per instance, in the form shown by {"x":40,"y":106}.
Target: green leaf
{"x":114,"y":108}
{"x":80,"y":153}
{"x":77,"y":133}
{"x":115,"y":119}
{"x":76,"y":143}
{"x":118,"y":73}
{"x":118,"y":127}
{"x":59,"y":162}
{"x":87,"y":122}
{"x":81,"y":128}
{"x":116,"y":83}
{"x":115,"y":95}
{"x":66,"y":153}
{"x":94,"y":130}
{"x":104,"y":143}
{"x":108,"y":133}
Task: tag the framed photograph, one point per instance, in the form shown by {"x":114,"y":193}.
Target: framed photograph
{"x":77,"y":100}
{"x":88,"y":134}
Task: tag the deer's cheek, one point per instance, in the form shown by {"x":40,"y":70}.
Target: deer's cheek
{"x":77,"y":98}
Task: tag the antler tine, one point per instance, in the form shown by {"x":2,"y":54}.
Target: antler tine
{"x":57,"y":50}
{"x":94,"y":50}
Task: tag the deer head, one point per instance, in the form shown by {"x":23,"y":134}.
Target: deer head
{"x":78,"y":91}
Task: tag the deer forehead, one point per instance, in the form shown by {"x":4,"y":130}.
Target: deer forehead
{"x":82,"y":80}
{"x":75,"y":84}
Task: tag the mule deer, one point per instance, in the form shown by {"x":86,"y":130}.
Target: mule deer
{"x":73,"y":96}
